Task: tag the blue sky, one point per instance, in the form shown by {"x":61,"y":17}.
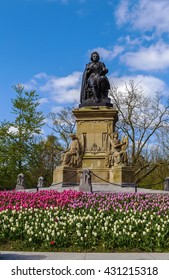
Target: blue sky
{"x":45,"y":45}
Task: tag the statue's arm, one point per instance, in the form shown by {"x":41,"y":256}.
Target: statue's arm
{"x":104,"y":70}
{"x":89,"y":69}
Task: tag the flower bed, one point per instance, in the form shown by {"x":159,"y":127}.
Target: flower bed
{"x":85,"y":221}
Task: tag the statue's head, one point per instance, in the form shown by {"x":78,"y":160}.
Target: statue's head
{"x":21,"y":175}
{"x":73,"y":136}
{"x":95,"y":56}
{"x":115,"y":135}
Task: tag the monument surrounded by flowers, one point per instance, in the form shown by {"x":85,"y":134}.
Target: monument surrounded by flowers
{"x":84,"y":221}
{"x":96,"y":145}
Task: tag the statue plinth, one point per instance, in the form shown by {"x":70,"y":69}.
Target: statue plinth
{"x":65,"y":176}
{"x":95,"y":125}
{"x":102,"y":102}
{"x":122,"y":175}
{"x":19,"y":187}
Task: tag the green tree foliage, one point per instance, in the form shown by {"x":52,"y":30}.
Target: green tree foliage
{"x":28,"y":122}
{"x":45,"y":158}
{"x":17,"y":138}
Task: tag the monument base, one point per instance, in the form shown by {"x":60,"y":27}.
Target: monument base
{"x":65,"y":176}
{"x":122,"y":175}
{"x":95,"y":124}
{"x":19,"y":187}
{"x":100,"y":175}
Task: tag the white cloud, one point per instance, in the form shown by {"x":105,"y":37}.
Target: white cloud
{"x":43,"y":100}
{"x":131,"y":42}
{"x":144,"y":15}
{"x":155,"y":57}
{"x":56,"y":89}
{"x":41,"y":75}
{"x":55,"y":83}
{"x":56,"y":109}
{"x":67,"y":96}
{"x":13,"y":130}
{"x":32,"y":84}
{"x":109,"y":54}
{"x":122,"y":12}
{"x":149,"y":84}
{"x":63,"y":89}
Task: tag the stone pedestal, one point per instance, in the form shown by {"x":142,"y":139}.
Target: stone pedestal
{"x":94,"y":124}
{"x":19,"y":187}
{"x":122,"y":175}
{"x":85,"y":181}
{"x":66,"y":176}
{"x":166,"y":184}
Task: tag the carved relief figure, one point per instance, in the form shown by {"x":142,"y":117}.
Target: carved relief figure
{"x":124,"y":157}
{"x":117,"y":154}
{"x":95,"y":84}
{"x":71,"y":156}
